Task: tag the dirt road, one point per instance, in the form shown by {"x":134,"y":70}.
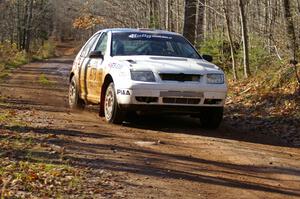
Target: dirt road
{"x":162,"y":157}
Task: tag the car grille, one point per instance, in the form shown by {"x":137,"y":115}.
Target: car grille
{"x":213,"y":101}
{"x":147,"y":99}
{"x":167,"y":100}
{"x":181,"y":77}
{"x":185,"y":94}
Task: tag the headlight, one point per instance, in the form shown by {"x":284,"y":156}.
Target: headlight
{"x":143,"y":76}
{"x":215,"y":79}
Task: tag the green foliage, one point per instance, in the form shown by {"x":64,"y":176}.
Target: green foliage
{"x":46,"y":51}
{"x":258,"y":53}
{"x":4,"y":116}
{"x":280,"y":78}
{"x":259,"y":57}
{"x":4,"y":75}
{"x":2,"y":67}
{"x":214,"y":46}
{"x":268,"y":71}
{"x":44,"y":80}
{"x":154,"y":22}
{"x":217,"y":46}
{"x":10,"y":56}
{"x":19,"y":59}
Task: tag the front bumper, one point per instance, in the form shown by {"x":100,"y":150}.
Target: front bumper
{"x":172,"y":96}
{"x":163,"y":109}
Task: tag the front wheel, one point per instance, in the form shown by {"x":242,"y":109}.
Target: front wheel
{"x":112,"y":112}
{"x":211,"y":117}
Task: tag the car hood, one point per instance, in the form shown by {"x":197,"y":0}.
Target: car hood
{"x":169,"y":64}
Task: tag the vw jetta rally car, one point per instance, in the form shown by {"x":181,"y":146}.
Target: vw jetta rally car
{"x":135,"y":70}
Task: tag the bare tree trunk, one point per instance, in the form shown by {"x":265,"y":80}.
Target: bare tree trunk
{"x":167,"y":15}
{"x":200,"y":21}
{"x":189,"y":29}
{"x":292,"y":41}
{"x":247,"y":72}
{"x":154,"y":14}
{"x":19,"y":32}
{"x":290,"y":28}
{"x":24,"y":20}
{"x":151,"y":15}
{"x":227,"y":20}
{"x":298,"y":5}
{"x":177,"y":15}
{"x":2,"y":18}
{"x":172,"y":15}
{"x":28,"y":26}
{"x":205,"y":21}
{"x":12,"y":26}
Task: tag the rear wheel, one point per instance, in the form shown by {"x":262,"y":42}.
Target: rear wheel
{"x":112,"y":112}
{"x":75,"y":102}
{"x":211,"y":117}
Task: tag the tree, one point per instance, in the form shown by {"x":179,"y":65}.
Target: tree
{"x":189,"y":29}
{"x":28,"y":26}
{"x":229,"y":33}
{"x":23,"y":21}
{"x":200,"y":21}
{"x":245,"y":38}
{"x":167,"y":14}
{"x":290,"y":28}
{"x":292,"y":41}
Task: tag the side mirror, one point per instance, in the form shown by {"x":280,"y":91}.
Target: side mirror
{"x":207,"y":58}
{"x":96,"y":55}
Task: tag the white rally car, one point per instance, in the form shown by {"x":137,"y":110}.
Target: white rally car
{"x":139,"y":70}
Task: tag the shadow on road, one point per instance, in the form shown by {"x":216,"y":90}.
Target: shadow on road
{"x":161,"y":165}
{"x":192,"y":126}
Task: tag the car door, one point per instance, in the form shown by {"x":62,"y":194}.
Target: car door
{"x":84,"y":63}
{"x":95,"y":70}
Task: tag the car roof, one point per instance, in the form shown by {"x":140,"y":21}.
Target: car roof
{"x":141,"y":30}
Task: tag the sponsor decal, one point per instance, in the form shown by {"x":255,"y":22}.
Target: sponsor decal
{"x":148,"y":36}
{"x":115,"y":65}
{"x":123,"y":92}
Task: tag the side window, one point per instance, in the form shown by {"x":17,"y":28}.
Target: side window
{"x":88,"y":46}
{"x":102,"y":43}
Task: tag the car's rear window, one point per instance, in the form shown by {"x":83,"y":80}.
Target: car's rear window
{"x":137,"y":43}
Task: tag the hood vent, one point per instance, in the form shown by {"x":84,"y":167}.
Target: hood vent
{"x":131,"y":61}
{"x":181,"y":77}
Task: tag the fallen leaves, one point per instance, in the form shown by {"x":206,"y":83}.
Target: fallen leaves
{"x":37,"y":179}
{"x":32,"y":165}
{"x":253,"y":106}
{"x":32,"y":176}
{"x":24,"y":170}
{"x":51,"y":136}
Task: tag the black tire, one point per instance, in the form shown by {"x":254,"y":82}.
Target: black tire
{"x":75,"y":102}
{"x":112,"y":112}
{"x":211,"y":117}
{"x":131,"y":116}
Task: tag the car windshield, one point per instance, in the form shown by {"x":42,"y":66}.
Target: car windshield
{"x":137,"y":43}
